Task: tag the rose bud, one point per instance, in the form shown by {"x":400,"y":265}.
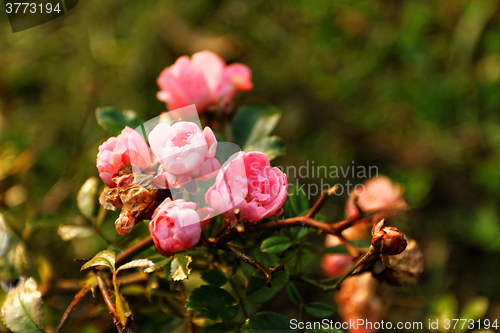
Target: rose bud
{"x":388,"y":240}
{"x":177,"y":225}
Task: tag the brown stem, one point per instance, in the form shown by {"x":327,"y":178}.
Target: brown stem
{"x":321,"y":201}
{"x":71,"y":307}
{"x":104,"y":292}
{"x":268,"y":272}
{"x":139,"y":247}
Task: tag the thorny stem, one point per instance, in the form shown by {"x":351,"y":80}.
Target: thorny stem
{"x":136,"y":248}
{"x":71,"y":307}
{"x":109,"y":303}
{"x":371,"y":252}
{"x":321,"y":201}
{"x":268,"y":272}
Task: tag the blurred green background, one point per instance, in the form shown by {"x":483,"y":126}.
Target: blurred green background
{"x":412,"y":87}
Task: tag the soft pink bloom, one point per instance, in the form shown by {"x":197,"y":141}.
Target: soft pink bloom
{"x":204,"y":80}
{"x":248,"y":182}
{"x":177,"y":225}
{"x":335,"y":265}
{"x":128,"y":147}
{"x":379,"y":193}
{"x":185,"y":152}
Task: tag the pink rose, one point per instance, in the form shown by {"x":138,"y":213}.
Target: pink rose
{"x":128,"y":147}
{"x":248,"y":183}
{"x":204,"y":80}
{"x":335,"y":265}
{"x":185,"y":153}
{"x":379,"y":193}
{"x":176,"y":225}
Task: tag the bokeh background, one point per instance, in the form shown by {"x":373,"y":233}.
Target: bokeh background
{"x":412,"y":87}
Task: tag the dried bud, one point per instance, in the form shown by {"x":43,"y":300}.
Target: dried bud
{"x":406,"y":267}
{"x":388,"y":240}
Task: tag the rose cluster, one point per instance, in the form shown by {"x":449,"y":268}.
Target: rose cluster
{"x":180,"y":156}
{"x":141,"y":178}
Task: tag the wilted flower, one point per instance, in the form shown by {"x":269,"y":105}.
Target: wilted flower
{"x":118,"y":152}
{"x":248,"y":182}
{"x":177,"y":225}
{"x":404,"y":268}
{"x":204,"y":80}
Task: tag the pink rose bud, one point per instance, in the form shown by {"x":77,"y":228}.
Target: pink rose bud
{"x":248,"y":182}
{"x":185,"y":152}
{"x":204,"y":80}
{"x":177,"y":225}
{"x":117,"y":152}
{"x":377,"y":193}
{"x":335,"y":265}
{"x":388,"y":240}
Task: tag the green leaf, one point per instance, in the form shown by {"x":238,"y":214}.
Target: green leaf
{"x":22,"y":309}
{"x":258,"y":292}
{"x":293,"y":294}
{"x":299,"y":201}
{"x":214,"y":278}
{"x":253,"y":122}
{"x":68,"y":232}
{"x":162,"y":262}
{"x":272,"y":146}
{"x":114,"y":121}
{"x":474,"y":309}
{"x":138,"y":263}
{"x":320,"y":310}
{"x":180,"y":268}
{"x":267,"y":322}
{"x":103,"y":258}
{"x":215,"y":303}
{"x":276,"y":244}
{"x":87,"y":197}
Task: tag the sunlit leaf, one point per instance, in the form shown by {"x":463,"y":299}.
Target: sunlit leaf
{"x":103,"y":258}
{"x":215,"y":303}
{"x":4,"y":237}
{"x":180,"y":268}
{"x":272,"y":146}
{"x":87,"y":197}
{"x":474,"y":309}
{"x":267,"y":322}
{"x":253,"y":122}
{"x":138,"y":263}
{"x":159,"y":262}
{"x":114,"y":120}
{"x":69,"y":232}
{"x":22,"y":308}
